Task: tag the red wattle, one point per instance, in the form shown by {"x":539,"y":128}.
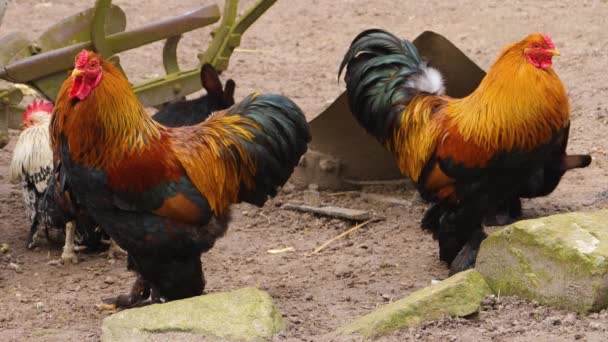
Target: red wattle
{"x":79,"y":89}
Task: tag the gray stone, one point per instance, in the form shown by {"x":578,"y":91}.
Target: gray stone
{"x":560,"y":260}
{"x":242,"y":315}
{"x":457,"y":296}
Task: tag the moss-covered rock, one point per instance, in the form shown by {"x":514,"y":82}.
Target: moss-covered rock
{"x":559,"y":260}
{"x":244,"y":315}
{"x":459,"y":295}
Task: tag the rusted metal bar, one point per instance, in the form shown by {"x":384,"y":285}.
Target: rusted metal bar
{"x":62,"y":59}
{"x":98,"y":32}
{"x":170,"y":55}
{"x":228,"y":36}
{"x":167,"y":88}
{"x":225,"y":39}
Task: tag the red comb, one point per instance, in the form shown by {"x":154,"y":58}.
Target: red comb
{"x":42,"y":106}
{"x":82,"y":59}
{"x":549,"y":42}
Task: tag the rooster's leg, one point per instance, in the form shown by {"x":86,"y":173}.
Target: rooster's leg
{"x":459,"y":235}
{"x":507,"y":212}
{"x":432,"y":217}
{"x":69,"y":253}
{"x":467,"y":256}
{"x":114,"y":250}
{"x":138,"y":296}
{"x":33,"y":235}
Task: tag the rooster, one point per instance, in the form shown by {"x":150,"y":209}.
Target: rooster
{"x":190,"y":112}
{"x":469,"y":156}
{"x":32,"y":165}
{"x":163,"y":194}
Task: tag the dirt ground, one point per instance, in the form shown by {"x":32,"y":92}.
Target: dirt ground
{"x":295,"y":49}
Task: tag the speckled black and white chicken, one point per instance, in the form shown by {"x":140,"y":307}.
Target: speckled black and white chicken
{"x":45,"y":193}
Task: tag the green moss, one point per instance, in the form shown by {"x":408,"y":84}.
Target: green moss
{"x":245,"y":315}
{"x":459,"y":295}
{"x":560,"y":260}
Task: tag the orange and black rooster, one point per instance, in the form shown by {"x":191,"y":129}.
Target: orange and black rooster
{"x":470,"y":156}
{"x":163,"y":194}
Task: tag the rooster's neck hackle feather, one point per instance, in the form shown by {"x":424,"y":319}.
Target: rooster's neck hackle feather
{"x":107,"y":126}
{"x":516,"y":106}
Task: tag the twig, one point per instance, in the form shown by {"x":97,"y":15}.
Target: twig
{"x":343,"y":193}
{"x":266,"y":217}
{"x":385,"y":199}
{"x":380,"y":182}
{"x":322,"y":247}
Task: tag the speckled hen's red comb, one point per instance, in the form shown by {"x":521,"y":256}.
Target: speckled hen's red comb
{"x":81,"y":59}
{"x":42,"y":106}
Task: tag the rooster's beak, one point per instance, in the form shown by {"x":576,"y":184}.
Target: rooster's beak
{"x":76,"y":72}
{"x":554,"y":52}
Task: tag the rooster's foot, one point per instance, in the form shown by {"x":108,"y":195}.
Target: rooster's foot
{"x":114,"y":251}
{"x":141,"y":295}
{"x":467,"y":256}
{"x":69,"y":256}
{"x":124,"y":301}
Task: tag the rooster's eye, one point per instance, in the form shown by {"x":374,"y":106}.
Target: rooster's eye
{"x":93,"y":64}
{"x":536,"y":46}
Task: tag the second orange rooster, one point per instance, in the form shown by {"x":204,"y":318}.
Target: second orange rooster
{"x":472,"y":155}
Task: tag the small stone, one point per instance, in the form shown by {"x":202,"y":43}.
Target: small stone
{"x":386,"y":297}
{"x":39,"y":305}
{"x":595,"y":326}
{"x":308,"y":297}
{"x":109,"y":280}
{"x":552,"y":320}
{"x":245,"y":213}
{"x":21,"y":298}
{"x":15,"y":267}
{"x":570,"y":319}
{"x":288,"y":188}
{"x":4,"y":248}
{"x":578,"y":336}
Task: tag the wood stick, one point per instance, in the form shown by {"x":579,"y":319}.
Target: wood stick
{"x":338,"y":212}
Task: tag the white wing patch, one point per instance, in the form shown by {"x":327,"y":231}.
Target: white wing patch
{"x":429,"y":80}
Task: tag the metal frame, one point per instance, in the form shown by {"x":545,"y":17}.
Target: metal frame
{"x":43,"y":64}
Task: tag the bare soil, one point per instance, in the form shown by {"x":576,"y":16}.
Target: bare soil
{"x":295,"y":49}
